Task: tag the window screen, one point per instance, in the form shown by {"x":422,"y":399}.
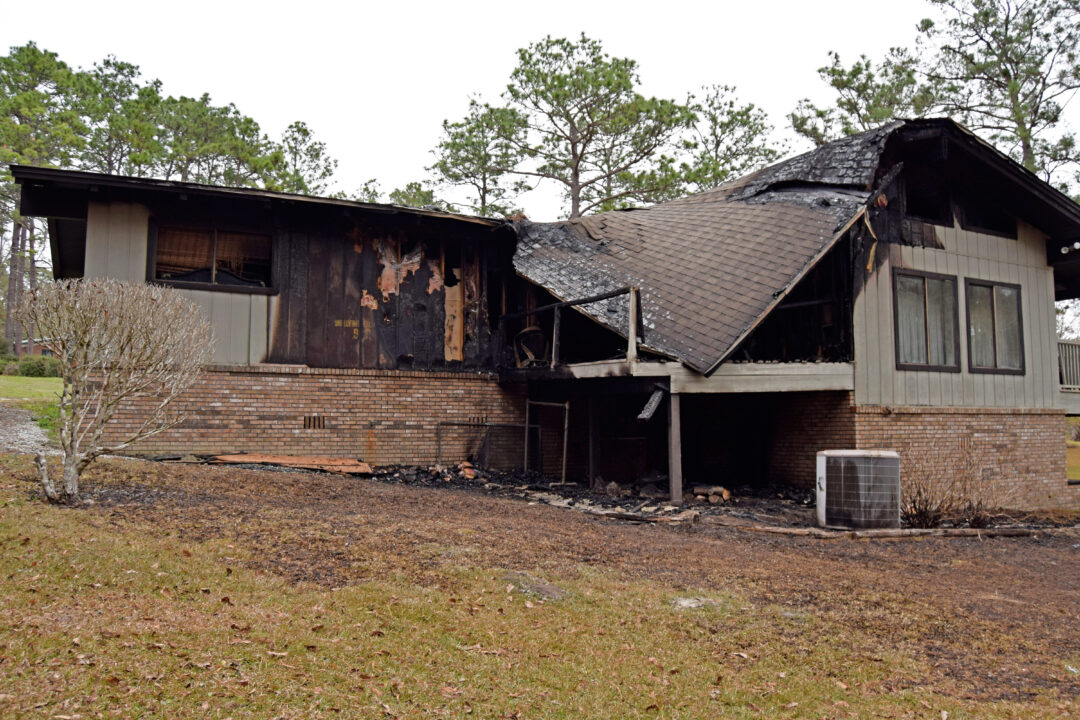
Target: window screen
{"x":926,"y":322}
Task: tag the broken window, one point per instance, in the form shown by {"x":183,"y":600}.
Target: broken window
{"x":927,"y":328}
{"x":984,"y":213}
{"x":212,"y":257}
{"x":927,"y":196}
{"x":995,"y":330}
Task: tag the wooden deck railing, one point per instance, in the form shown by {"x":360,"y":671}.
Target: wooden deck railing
{"x":1069,"y":365}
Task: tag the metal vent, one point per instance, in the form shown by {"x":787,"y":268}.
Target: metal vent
{"x":858,"y":488}
{"x":314,"y":422}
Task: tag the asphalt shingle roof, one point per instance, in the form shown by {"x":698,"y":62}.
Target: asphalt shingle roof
{"x":710,"y":265}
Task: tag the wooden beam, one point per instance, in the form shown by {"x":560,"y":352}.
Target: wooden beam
{"x":526,"y":466}
{"x":631,"y":334}
{"x":568,"y":303}
{"x":675,"y":449}
{"x":592,"y":444}
{"x":565,"y":439}
{"x":750,"y":377}
{"x":555,"y":327}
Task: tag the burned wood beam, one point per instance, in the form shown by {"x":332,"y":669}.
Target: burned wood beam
{"x":568,"y":303}
{"x":675,"y":450}
{"x":555,"y":327}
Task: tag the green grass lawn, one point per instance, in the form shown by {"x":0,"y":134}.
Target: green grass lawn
{"x":1072,"y":460}
{"x":29,"y":388}
{"x":111,"y":615}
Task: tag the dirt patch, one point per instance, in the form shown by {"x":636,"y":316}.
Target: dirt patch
{"x":999,"y":617}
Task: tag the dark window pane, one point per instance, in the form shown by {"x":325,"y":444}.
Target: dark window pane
{"x":981,"y":319}
{"x":911,"y":319}
{"x":184,"y":255}
{"x":243,"y":259}
{"x":941,"y":321}
{"x":1007,"y":319}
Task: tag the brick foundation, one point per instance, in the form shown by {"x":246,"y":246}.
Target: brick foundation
{"x":380,"y":416}
{"x":1021,"y":452}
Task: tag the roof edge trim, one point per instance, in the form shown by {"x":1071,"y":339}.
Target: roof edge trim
{"x":30,"y":173}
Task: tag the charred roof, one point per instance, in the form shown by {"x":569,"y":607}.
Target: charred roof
{"x":711,"y":266}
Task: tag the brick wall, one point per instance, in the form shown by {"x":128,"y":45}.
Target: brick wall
{"x":1021,"y":453}
{"x":805,"y":423}
{"x":379,"y":416}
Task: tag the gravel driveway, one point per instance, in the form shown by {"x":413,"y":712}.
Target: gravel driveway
{"x":20,"y":434}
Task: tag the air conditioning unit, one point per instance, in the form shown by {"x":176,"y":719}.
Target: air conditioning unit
{"x":858,"y":489}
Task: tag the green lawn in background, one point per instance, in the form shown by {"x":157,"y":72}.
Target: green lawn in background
{"x":1072,"y":460}
{"x":36,"y":394}
{"x":29,"y":388}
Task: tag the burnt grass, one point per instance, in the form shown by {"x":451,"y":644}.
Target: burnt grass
{"x":994,"y":618}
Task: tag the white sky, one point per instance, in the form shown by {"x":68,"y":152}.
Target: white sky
{"x":375,"y":80}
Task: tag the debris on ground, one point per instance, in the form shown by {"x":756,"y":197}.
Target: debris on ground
{"x":343,"y":466}
{"x":527,"y":584}
{"x":692,"y":603}
{"x":777,"y":509}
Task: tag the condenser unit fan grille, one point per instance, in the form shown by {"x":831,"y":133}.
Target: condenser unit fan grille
{"x":861,"y":490}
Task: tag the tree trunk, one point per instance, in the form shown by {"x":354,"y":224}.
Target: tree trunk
{"x":47,"y":485}
{"x":19,"y":266}
{"x":70,"y":492}
{"x":9,"y":300}
{"x":71,"y":478}
{"x":32,"y":283}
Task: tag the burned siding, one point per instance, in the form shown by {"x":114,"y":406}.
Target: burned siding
{"x":370,"y":293}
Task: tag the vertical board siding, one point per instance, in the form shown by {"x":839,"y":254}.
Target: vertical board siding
{"x":965,"y":255}
{"x":116,"y":246}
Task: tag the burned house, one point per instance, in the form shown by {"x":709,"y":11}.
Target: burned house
{"x":341,"y":328}
{"x":894,"y":289}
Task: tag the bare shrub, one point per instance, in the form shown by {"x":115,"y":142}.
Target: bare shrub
{"x":1072,"y":429}
{"x":927,"y":496}
{"x":963,"y":491}
{"x":114,"y":341}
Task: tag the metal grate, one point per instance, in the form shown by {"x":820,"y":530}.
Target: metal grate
{"x":861,"y":490}
{"x":314,"y":422}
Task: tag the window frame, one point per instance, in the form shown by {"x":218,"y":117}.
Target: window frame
{"x":897,"y":272}
{"x":968,"y":282}
{"x":213,"y":229}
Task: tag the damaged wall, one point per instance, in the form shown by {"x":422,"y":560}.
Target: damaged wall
{"x":374,"y":294}
{"x":350,"y":290}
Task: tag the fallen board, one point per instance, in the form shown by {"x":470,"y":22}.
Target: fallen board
{"x":347,"y":466}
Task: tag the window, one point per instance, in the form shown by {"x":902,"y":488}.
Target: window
{"x":225,"y":260}
{"x":995,"y":330}
{"x":927,"y":327}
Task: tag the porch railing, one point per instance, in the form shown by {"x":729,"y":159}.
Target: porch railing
{"x":1069,"y":365}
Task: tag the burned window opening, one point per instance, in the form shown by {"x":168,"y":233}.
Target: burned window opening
{"x":211,"y":256}
{"x":927,"y":195}
{"x":813,"y":323}
{"x":982,"y":212}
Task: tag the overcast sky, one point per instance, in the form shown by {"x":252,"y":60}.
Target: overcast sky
{"x":375,"y":81}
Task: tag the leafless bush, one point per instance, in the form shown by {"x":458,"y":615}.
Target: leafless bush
{"x":114,"y":340}
{"x":927,"y":496}
{"x":1072,"y":430}
{"x":965,"y":492}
